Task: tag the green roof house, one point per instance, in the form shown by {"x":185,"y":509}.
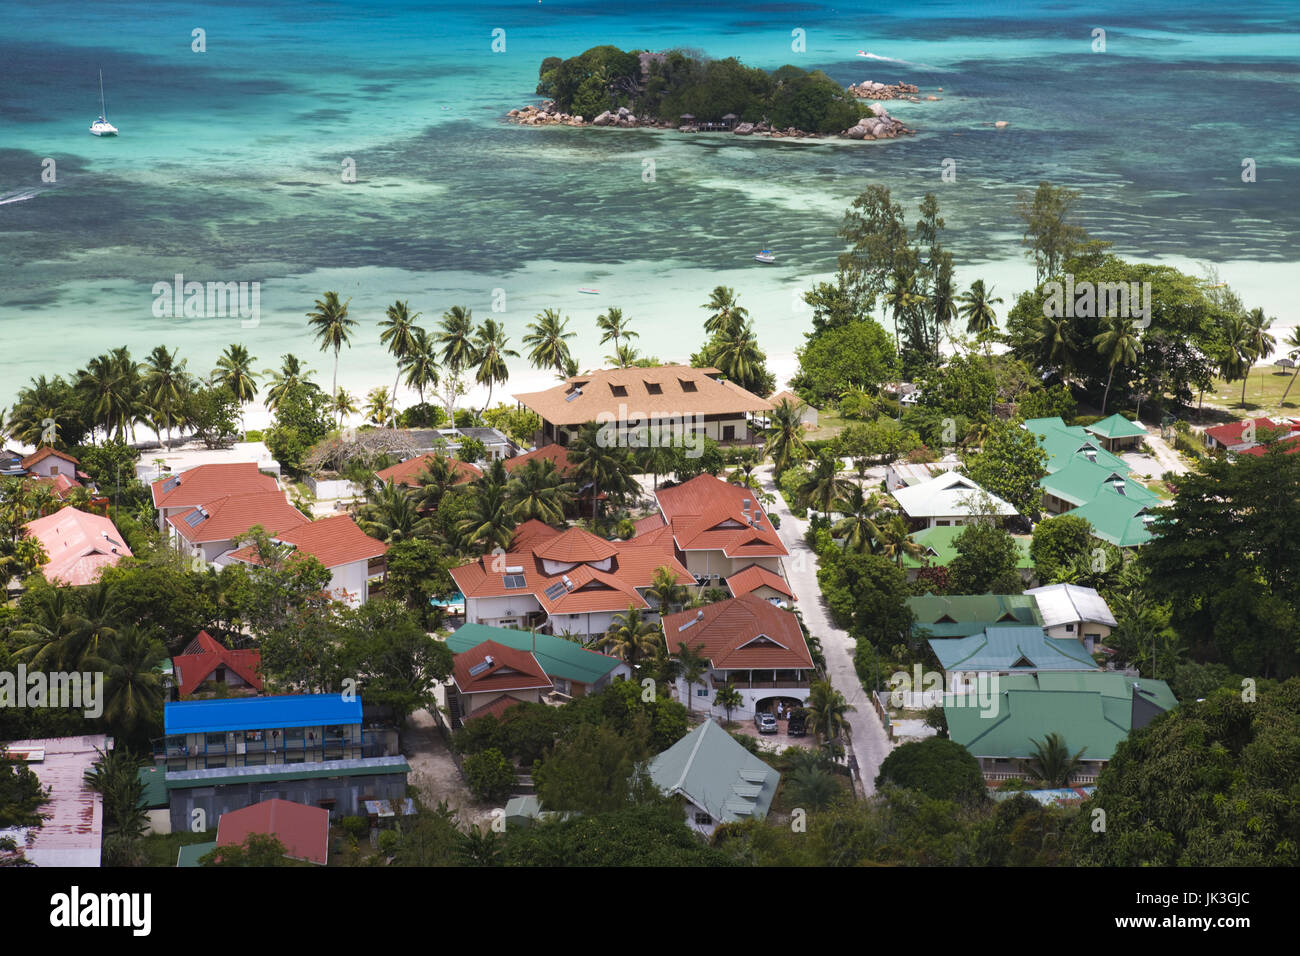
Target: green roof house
{"x":1116,"y":516}
{"x":961,"y":615}
{"x":572,"y":668}
{"x":938,"y":548}
{"x":1006,"y":650}
{"x":1117,"y":432}
{"x":721,"y":780}
{"x":1092,"y":711}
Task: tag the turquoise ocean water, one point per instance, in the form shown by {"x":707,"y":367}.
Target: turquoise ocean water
{"x":229,"y":163}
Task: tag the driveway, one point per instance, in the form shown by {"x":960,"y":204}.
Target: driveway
{"x":869,"y":743}
{"x":434,"y":773}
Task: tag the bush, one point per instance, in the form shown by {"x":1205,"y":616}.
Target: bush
{"x":253,"y":434}
{"x":388,"y":841}
{"x":489,"y":774}
{"x":942,"y":769}
{"x":355,"y":827}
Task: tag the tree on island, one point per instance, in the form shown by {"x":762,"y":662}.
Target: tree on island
{"x":234,"y":372}
{"x":547,"y":337}
{"x":399,"y":335}
{"x":490,"y":344}
{"x":613,"y":327}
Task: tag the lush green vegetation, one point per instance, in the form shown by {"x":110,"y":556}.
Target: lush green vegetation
{"x":678,"y":82}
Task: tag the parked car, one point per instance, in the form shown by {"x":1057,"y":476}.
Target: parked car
{"x":798,"y":722}
{"x":765,"y":723}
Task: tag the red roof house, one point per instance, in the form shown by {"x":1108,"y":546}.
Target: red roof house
{"x":208,"y":659}
{"x":489,"y":673}
{"x":337,"y":543}
{"x":206,"y":483}
{"x":719,"y":528}
{"x":304,"y":830}
{"x":1239,"y":436}
{"x":554,"y":452}
{"x":408,"y":472}
{"x":79,"y":545}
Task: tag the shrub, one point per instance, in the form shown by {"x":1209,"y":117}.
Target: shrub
{"x":388,"y":840}
{"x":489,"y":774}
{"x":355,"y":827}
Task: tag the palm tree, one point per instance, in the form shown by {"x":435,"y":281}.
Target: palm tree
{"x":901,"y":299}
{"x":657,"y":459}
{"x":547,"y":339}
{"x":603,"y":468}
{"x":1119,"y":344}
{"x":390,"y":514}
{"x":976,"y":307}
{"x":896,"y":541}
{"x":379,"y":406}
{"x":624,"y":356}
{"x":728,"y":698}
{"x":42,"y":640}
{"x":613,"y":326}
{"x":166,"y":383}
{"x":1238,"y":355}
{"x":665,"y":592}
{"x":457,"y":341}
{"x":826,"y":710}
{"x":737,"y":355}
{"x":813,"y":788}
{"x":110,"y":387}
{"x":1262,"y":342}
{"x":421,"y":363}
{"x":490,"y":344}
{"x":434,"y":481}
{"x":133,"y":688}
{"x":234,"y":371}
{"x":342,"y":404}
{"x":292,"y":373}
{"x":1054,"y":337}
{"x":538,"y":491}
{"x":859,"y":527}
{"x":724,"y":312}
{"x":630,"y":637}
{"x":1051,"y":764}
{"x":784,"y":441}
{"x":823,"y":487}
{"x":693,"y":665}
{"x":1292,"y":342}
{"x":399,"y":335}
{"x":490,"y":522}
{"x":333,"y":329}
{"x":44,"y":400}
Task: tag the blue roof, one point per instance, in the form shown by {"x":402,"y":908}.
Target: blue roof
{"x":260,"y":713}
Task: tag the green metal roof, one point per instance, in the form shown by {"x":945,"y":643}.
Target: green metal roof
{"x":1081,"y":480}
{"x":191,"y":852}
{"x":989,"y":609}
{"x":1119,"y":519}
{"x":188,"y":779}
{"x":154,"y":781}
{"x":1116,"y":426}
{"x":1088,"y":709}
{"x":1065,"y":443}
{"x":1010,"y":648}
{"x":558,"y":657}
{"x":717,"y":774}
{"x":940,"y":549}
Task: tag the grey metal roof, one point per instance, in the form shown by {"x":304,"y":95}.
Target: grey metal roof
{"x":1070,"y":603}
{"x":716,"y":774}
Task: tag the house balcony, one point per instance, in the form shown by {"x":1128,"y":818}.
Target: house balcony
{"x":761,"y":680}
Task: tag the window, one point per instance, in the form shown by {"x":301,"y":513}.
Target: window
{"x":1069,"y":629}
{"x":292,"y":756}
{"x":702,"y":818}
{"x":620,"y":391}
{"x":701,"y":692}
{"x":654,"y":388}
{"x":688,"y":385}
{"x":255,"y":760}
{"x":177,"y":764}
{"x":215,"y":763}
{"x":215,"y":740}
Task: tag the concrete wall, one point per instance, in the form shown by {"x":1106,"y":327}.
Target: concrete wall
{"x":501,"y":611}
{"x":327,"y":488}
{"x":354,"y":580}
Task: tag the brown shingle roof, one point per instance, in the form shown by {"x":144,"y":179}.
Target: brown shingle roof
{"x":638,"y":393}
{"x":42,"y":453}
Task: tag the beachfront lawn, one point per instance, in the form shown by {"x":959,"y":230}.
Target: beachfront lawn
{"x":1264,"y":389}
{"x":829,"y":424}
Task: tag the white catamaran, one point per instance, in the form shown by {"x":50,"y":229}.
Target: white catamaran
{"x":101,"y":126}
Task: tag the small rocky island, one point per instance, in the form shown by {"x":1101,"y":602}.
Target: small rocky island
{"x":608,"y":87}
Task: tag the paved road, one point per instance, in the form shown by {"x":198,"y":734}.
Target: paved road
{"x":870,"y":744}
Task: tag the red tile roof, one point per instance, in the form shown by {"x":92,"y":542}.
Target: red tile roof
{"x":740,"y":634}
{"x":42,"y":453}
{"x":79,"y":545}
{"x":553,"y":452}
{"x":754,"y":577}
{"x":575,"y":546}
{"x":1231,"y":433}
{"x":709,"y":514}
{"x":408,"y":472}
{"x":496,"y":709}
{"x":205,"y":483}
{"x":589,"y":589}
{"x":205,"y":654}
{"x":304,"y":830}
{"x":60,"y":484}
{"x":1290,"y":445}
{"x":233,"y":515}
{"x":509,"y":669}
{"x":333,"y":541}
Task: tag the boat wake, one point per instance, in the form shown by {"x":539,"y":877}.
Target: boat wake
{"x":19,"y":195}
{"x":893,"y":59}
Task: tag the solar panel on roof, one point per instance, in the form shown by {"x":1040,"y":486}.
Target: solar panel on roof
{"x":555,"y":590}
{"x":196,"y":518}
{"x":479,"y":668}
{"x":514,"y":581}
{"x":171,"y":483}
